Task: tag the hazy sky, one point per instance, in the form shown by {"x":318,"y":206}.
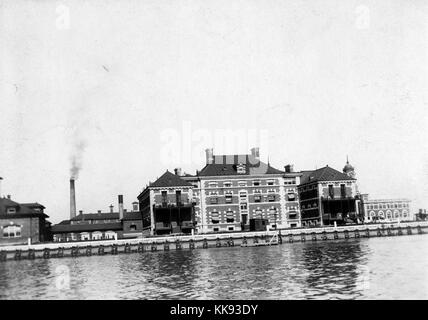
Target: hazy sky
{"x":108,"y":80}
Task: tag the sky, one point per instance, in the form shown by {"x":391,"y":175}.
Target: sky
{"x":127,"y":89}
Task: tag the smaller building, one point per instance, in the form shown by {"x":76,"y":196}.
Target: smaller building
{"x":167,"y":206}
{"x":386,"y":210}
{"x":328,"y":196}
{"x":20,"y":222}
{"x":100,"y":225}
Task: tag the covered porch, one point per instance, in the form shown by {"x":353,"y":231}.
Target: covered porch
{"x":339,"y":211}
{"x":173,"y":219}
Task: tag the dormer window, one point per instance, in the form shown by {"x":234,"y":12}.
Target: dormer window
{"x":240,"y":168}
{"x":11,"y":210}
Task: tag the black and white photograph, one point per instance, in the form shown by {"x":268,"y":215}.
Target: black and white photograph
{"x":188,"y":150}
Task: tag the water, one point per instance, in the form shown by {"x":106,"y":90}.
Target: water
{"x":375,"y":268}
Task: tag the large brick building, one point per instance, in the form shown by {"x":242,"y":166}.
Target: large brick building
{"x":20,"y":222}
{"x":328,"y":196}
{"x":167,"y":205}
{"x":223,"y":196}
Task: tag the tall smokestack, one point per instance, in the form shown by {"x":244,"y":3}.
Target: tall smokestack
{"x":72,"y":199}
{"x":120,"y":206}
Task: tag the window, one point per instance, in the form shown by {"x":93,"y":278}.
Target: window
{"x":11,"y":210}
{"x":215,"y":218}
{"x":256,"y":183}
{"x":230,"y":217}
{"x":342,"y":191}
{"x":330,"y":191}
{"x":257,"y":196}
{"x":242,"y":183}
{"x":12,"y":231}
{"x":212,"y":184}
{"x":227,"y":184}
{"x":213,"y":200}
{"x":259,"y":213}
{"x":178,"y":197}
{"x":231,"y":228}
{"x":271,"y":182}
{"x":271,"y":197}
{"x":240,"y":168}
{"x":243,"y":206}
{"x":133,"y":227}
{"x":215,"y":229}
{"x":290,"y":181}
{"x":228,"y":197}
{"x":291,"y":197}
{"x":164,"y":197}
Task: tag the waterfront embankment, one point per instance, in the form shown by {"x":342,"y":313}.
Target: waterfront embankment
{"x":204,"y":241}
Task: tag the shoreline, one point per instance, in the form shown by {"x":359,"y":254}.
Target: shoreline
{"x":203,"y":241}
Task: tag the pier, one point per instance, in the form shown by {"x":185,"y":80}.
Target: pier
{"x":204,"y":241}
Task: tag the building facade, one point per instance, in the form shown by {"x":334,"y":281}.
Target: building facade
{"x":20,"y":222}
{"x":167,"y":206}
{"x":223,"y":196}
{"x":387,"y":210}
{"x":328,"y":196}
{"x":231,"y":190}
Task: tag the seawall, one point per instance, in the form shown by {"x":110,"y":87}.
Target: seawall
{"x":203,"y":241}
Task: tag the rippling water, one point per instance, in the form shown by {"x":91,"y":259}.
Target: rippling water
{"x":375,"y":268}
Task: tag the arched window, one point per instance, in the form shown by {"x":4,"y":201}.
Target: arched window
{"x":133,"y":227}
{"x":12,"y":231}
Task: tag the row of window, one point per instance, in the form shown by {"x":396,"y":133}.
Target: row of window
{"x":12,"y":232}
{"x":387,"y":206}
{"x":229,"y":199}
{"x":309,"y":206}
{"x":254,"y":183}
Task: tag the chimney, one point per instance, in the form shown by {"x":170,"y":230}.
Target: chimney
{"x":135,"y":206}
{"x":255,"y":152}
{"x":289,"y":168}
{"x":111,"y":208}
{"x":8,"y":196}
{"x":120,"y":206}
{"x":72,"y":199}
{"x":209,"y":154}
{"x":81,"y":212}
{"x":177,"y":171}
{"x":0,"y":185}
{"x":99,"y":211}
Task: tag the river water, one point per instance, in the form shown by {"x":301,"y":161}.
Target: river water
{"x":375,"y":268}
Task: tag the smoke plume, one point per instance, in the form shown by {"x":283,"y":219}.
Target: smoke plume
{"x":76,"y":158}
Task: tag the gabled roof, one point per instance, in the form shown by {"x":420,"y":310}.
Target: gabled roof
{"x":226,"y":165}
{"x":33,"y":205}
{"x":169,"y":179}
{"x":21,"y":209}
{"x":323,"y":174}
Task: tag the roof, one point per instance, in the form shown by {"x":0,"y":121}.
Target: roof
{"x":169,"y":179}
{"x":34,"y":205}
{"x":226,"y":165}
{"x":65,"y":228}
{"x":107,"y":216}
{"x":22,"y":210}
{"x":323,"y":174}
